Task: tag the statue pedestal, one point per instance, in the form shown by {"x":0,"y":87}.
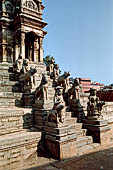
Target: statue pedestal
{"x":77,"y":108}
{"x":28,"y":99}
{"x":95,"y":116}
{"x":60,"y":139}
{"x":43,"y":104}
{"x":99,"y":129}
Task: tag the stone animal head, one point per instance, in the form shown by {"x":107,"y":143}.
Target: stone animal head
{"x":26,"y":62}
{"x":44,"y":79}
{"x":66,"y":74}
{"x":56,"y":66}
{"x":33,"y":70}
{"x":59,"y":90}
{"x":76,"y":82}
{"x":52,"y":61}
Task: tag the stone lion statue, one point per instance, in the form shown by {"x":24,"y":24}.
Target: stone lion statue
{"x":27,"y":79}
{"x":56,"y":72}
{"x":73,"y":92}
{"x":25,"y":67}
{"x":41,"y":91}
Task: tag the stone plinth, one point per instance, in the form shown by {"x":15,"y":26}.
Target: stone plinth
{"x":60,"y":140}
{"x":99,"y":129}
{"x":39,"y":116}
{"x":77,"y":108}
{"x":28,"y":99}
{"x":43,"y":104}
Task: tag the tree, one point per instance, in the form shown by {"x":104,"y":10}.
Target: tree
{"x":48,"y":59}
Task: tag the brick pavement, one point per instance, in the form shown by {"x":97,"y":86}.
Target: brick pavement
{"x":101,"y":159}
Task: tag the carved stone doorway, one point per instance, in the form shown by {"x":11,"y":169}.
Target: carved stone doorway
{"x":30,"y":37}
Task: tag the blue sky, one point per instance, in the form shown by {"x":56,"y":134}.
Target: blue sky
{"x":80,"y":37}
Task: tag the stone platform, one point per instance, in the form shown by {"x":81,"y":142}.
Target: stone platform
{"x":18,"y":146}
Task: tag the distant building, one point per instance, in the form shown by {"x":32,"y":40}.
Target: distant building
{"x":96,"y":85}
{"x":86,"y":84}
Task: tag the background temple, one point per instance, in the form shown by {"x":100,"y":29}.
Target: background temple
{"x":21,"y":28}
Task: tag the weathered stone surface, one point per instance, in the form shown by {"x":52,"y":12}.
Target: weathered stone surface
{"x":18,"y":146}
{"x":14,"y":120}
{"x":99,"y":130}
{"x":62,"y":150}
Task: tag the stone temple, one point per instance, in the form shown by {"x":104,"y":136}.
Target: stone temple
{"x":40,"y":111}
{"x":21,"y":28}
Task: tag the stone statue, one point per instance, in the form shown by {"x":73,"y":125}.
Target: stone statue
{"x":63,"y":81}
{"x":41,"y":92}
{"x":94,"y":107}
{"x":51,"y":67}
{"x":17,"y":66}
{"x":57,"y":114}
{"x":25,"y":67}
{"x":73,"y":92}
{"x":56,"y":72}
{"x":27,"y":80}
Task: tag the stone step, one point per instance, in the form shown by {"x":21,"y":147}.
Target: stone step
{"x":84,"y":140}
{"x":8,"y":102}
{"x":78,"y":126}
{"x":18,"y":146}
{"x":87,"y":148}
{"x":5,"y":88}
{"x":13,"y":95}
{"x":10,"y":99}
{"x":15,"y":120}
{"x":71,"y":121}
{"x":7,"y":83}
{"x":80,"y":132}
{"x":68,"y":115}
{"x":5,"y":76}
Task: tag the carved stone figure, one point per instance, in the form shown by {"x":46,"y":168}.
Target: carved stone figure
{"x":25,"y":67}
{"x":73,"y":92}
{"x":56,"y":72}
{"x":63,"y":81}
{"x":41,"y":92}
{"x":57,"y":114}
{"x":94,"y":107}
{"x":31,"y":4}
{"x":17,"y":66}
{"x":50,"y":67}
{"x":27,"y":79}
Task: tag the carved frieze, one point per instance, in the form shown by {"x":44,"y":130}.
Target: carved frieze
{"x":31,"y":5}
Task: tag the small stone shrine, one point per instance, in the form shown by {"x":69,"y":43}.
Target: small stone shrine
{"x":37,"y":103}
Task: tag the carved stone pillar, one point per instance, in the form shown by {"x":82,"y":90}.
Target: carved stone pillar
{"x":16,"y":52}
{"x":4,"y":53}
{"x":35,"y":50}
{"x":4,"y":44}
{"x":22,"y":45}
{"x":41,"y":50}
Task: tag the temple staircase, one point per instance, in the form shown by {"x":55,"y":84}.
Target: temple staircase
{"x":84,"y":143}
{"x":18,"y":138}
